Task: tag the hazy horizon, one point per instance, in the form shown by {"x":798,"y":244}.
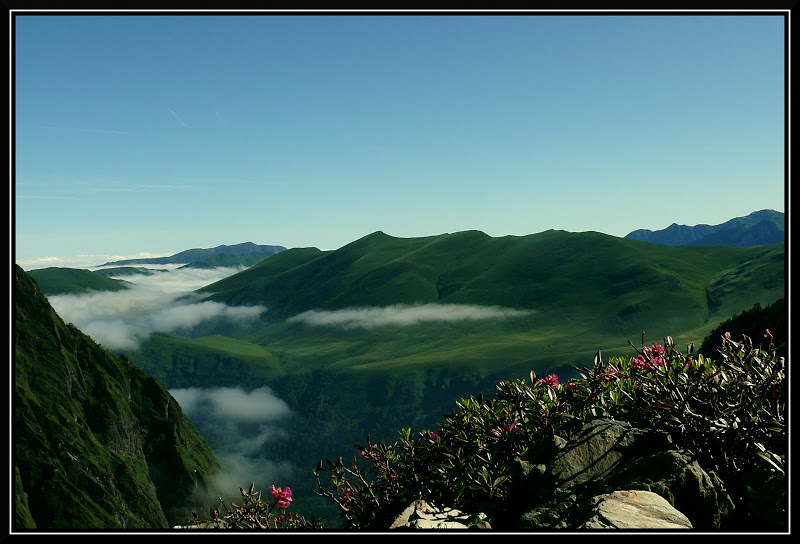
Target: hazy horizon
{"x":96,"y":262}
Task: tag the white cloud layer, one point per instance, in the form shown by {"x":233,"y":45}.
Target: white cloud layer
{"x":234,"y":403}
{"x":162,"y":302}
{"x":402,"y":315}
{"x":80,"y":261}
{"x":239,"y":424}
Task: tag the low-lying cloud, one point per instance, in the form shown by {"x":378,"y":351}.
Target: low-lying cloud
{"x":239,"y":425}
{"x":234,"y":403}
{"x":79,"y":261}
{"x":402,"y":315}
{"x":162,"y":302}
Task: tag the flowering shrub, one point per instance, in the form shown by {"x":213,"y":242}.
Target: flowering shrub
{"x":255,"y":513}
{"x":730,"y":413}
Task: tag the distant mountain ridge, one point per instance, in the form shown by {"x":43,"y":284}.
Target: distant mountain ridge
{"x":246,"y":253}
{"x":61,"y":281}
{"x":764,"y":227}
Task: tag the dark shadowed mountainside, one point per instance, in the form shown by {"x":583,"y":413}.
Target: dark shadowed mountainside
{"x":97,"y":443}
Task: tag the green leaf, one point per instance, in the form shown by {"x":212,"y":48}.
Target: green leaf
{"x":770,"y":458}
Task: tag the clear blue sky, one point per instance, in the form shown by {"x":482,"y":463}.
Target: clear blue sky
{"x":163,"y":133}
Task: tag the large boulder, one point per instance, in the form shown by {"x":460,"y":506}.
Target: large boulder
{"x":560,"y":491}
{"x":634,"y":510}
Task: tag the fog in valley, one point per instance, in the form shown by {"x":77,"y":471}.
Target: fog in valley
{"x":238,"y":425}
{"x":162,"y":302}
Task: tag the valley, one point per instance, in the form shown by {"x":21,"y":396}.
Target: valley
{"x":387,"y":333}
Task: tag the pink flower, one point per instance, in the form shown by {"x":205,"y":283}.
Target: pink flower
{"x":370,"y":454}
{"x":639,"y":363}
{"x":728,"y":335}
{"x":657,"y":361}
{"x":767,"y":334}
{"x":347,"y":499}
{"x":549,"y":381}
{"x":506,"y":428}
{"x":283,"y":497}
{"x":610,"y":374}
{"x":434,"y":435}
{"x":571,"y":384}
{"x":656,"y":350}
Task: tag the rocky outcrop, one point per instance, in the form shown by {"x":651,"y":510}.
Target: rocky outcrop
{"x":609,"y":456}
{"x":634,"y":510}
{"x":611,"y":475}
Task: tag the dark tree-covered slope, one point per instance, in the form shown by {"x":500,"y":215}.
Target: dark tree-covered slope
{"x":96,"y":442}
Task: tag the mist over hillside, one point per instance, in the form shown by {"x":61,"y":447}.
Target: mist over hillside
{"x":162,"y":301}
{"x":239,"y":423}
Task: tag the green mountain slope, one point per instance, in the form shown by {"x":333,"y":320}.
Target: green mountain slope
{"x":611,"y":282}
{"x":185,"y":362}
{"x":97,"y":443}
{"x":59,"y":281}
{"x":582,"y":291}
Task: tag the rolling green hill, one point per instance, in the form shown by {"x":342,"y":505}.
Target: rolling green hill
{"x":612,"y":283}
{"x":582,"y":292}
{"x":60,"y":281}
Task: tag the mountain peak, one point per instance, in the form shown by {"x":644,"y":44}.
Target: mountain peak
{"x":763,"y":227}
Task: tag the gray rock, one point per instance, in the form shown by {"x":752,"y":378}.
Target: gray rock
{"x":607,"y":456}
{"x":678,"y":478}
{"x":594,"y":453}
{"x":422,"y":515}
{"x":634,"y":510}
{"x":554,"y":513}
